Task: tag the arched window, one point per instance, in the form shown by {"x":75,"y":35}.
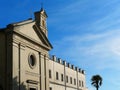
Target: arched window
{"x":43,"y":23}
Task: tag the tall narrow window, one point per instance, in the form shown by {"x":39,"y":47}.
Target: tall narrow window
{"x":74,"y":81}
{"x":82,"y":84}
{"x":79,"y":83}
{"x":67,"y":79}
{"x":43,"y":23}
{"x":57,"y":76}
{"x":61,"y":77}
{"x":50,"y":74}
{"x":70,"y":80}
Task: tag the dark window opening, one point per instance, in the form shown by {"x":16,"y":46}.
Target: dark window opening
{"x":43,"y":23}
{"x":57,"y":76}
{"x":50,"y":88}
{"x":82,"y":84}
{"x":67,"y":79}
{"x":74,"y":81}
{"x":79,"y":83}
{"x":61,"y":77}
{"x":50,"y":74}
{"x":70,"y":80}
{"x":32,"y":89}
{"x":32,"y":60}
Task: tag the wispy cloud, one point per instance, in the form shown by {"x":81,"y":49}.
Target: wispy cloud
{"x":104,"y":47}
{"x":94,"y":52}
{"x":82,"y":16}
{"x":91,"y":38}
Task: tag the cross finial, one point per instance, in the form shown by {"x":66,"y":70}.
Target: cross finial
{"x":41,"y":4}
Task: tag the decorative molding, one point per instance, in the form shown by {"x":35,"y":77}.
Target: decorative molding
{"x":32,"y":74}
{"x":32,"y":81}
{"x":63,"y":85}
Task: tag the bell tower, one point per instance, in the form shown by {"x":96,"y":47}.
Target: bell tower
{"x":40,"y":18}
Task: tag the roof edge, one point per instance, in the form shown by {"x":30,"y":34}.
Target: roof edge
{"x":22,"y":22}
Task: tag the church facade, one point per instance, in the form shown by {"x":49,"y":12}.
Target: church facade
{"x":25,"y":63}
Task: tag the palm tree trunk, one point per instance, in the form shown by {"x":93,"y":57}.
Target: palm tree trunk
{"x":96,"y":88}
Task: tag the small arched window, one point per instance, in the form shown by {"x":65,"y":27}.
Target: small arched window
{"x":43,"y":23}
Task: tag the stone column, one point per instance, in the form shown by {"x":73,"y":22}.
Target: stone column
{"x":64,"y":63}
{"x":46,"y":73}
{"x":42,"y":72}
{"x":40,"y":69}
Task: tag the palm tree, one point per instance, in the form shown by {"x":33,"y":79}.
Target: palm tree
{"x":96,"y":81}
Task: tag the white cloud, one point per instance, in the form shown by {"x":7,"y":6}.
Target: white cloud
{"x":95,"y":42}
{"x":104,"y":47}
{"x":77,"y":16}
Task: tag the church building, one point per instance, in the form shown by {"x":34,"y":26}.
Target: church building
{"x":25,"y":63}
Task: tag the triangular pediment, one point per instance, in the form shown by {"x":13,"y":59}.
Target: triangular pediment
{"x":29,"y":30}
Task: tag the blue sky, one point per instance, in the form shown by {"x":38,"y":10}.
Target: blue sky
{"x":85,"y":33}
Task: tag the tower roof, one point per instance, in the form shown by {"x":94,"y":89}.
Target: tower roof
{"x":42,"y":11}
